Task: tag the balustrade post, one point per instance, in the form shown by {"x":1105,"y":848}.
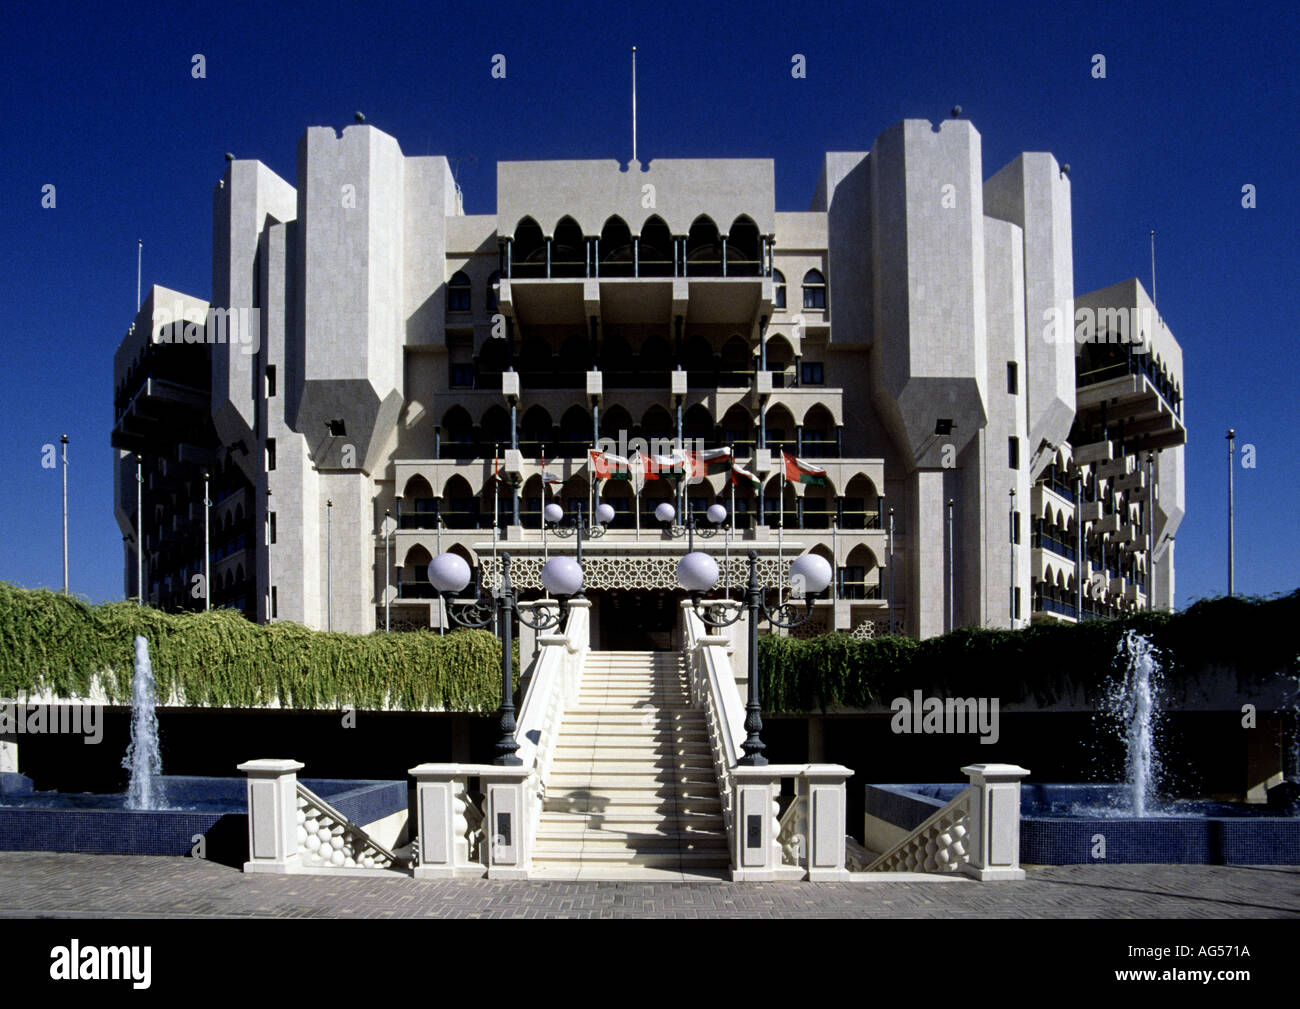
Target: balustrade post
{"x":756,"y":849}
{"x":995,"y":821}
{"x":822,"y":788}
{"x":507,"y":848}
{"x":442,"y":823}
{"x":272,"y":815}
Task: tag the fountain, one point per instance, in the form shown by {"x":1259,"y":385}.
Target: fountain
{"x":143,"y":758}
{"x":1133,"y":703}
{"x":1127,"y":821}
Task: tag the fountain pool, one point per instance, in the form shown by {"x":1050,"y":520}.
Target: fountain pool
{"x":162,"y":814}
{"x":1065,"y":824}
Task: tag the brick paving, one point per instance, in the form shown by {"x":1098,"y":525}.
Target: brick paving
{"x":36,"y":884}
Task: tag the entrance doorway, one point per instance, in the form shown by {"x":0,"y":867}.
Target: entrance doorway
{"x":638,"y":621}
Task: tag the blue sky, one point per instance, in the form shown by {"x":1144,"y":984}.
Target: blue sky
{"x":100,"y":102}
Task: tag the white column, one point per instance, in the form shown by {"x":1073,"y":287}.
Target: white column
{"x":995,"y":821}
{"x":441,"y":822}
{"x":823,"y":789}
{"x":755,"y":848}
{"x":508,"y":852}
{"x":272,"y":815}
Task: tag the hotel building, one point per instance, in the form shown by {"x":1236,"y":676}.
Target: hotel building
{"x":996,"y":450}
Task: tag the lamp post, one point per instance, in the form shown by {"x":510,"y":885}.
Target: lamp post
{"x":698,"y":572}
{"x":139,"y":529}
{"x":667,"y":514}
{"x":329,"y":564}
{"x":892,"y":626}
{"x":207,"y":548}
{"x":64,"y":441}
{"x":952,"y":577}
{"x":387,"y":574}
{"x":1232,"y":566}
{"x":577,"y":526}
{"x":450,"y":574}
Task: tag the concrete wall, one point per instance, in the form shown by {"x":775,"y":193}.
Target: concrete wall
{"x":1033,"y":193}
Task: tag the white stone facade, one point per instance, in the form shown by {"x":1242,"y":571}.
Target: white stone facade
{"x":892,"y":334}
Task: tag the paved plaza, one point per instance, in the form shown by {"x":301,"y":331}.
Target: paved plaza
{"x":37,"y":884}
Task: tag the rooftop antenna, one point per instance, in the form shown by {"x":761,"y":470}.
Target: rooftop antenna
{"x":1153,"y":271}
{"x":139,"y":257}
{"x":634,"y":103}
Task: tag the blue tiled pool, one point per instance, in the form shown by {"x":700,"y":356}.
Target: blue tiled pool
{"x":1073,"y":824}
{"x":214,"y":809}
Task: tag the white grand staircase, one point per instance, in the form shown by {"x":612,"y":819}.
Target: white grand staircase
{"x":632,"y":790}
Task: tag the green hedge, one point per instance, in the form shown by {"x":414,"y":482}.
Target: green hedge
{"x":49,"y":640}
{"x":1257,"y":638}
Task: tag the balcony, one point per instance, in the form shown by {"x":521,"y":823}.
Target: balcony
{"x":1056,"y":544}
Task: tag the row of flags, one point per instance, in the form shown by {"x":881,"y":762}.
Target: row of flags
{"x":639,"y":468}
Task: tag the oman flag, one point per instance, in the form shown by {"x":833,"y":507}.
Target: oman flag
{"x":710,"y":460}
{"x":741,"y":477}
{"x":798,"y":471}
{"x":607,"y":466}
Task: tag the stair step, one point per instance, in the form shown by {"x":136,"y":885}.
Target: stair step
{"x":628,"y":713}
{"x":660,"y":752}
{"x":666,"y":858}
{"x":647,"y":806}
{"x":589,"y":841}
{"x":635,"y":820}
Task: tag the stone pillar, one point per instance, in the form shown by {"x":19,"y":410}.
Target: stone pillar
{"x":441,"y":823}
{"x":995,"y":821}
{"x":756,"y":850}
{"x":506,"y":841}
{"x":272,"y":815}
{"x":8,"y":757}
{"x":823,"y":790}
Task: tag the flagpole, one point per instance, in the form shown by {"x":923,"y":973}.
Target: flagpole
{"x":496,"y":511}
{"x":780,"y":526}
{"x":835,"y":560}
{"x":733,"y":497}
{"x":726,"y":532}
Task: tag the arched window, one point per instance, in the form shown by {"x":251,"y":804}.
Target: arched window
{"x":573,"y":361}
{"x":528,"y":251}
{"x":698,"y":360}
{"x":568,"y":254}
{"x":778,"y":298}
{"x":814,"y":289}
{"x":743,"y":248}
{"x":703,"y":249}
{"x":657,"y":427}
{"x":656,"y":249}
{"x":697,"y":425}
{"x":615,"y":249}
{"x":495,"y":430}
{"x":654,"y":363}
{"x":535,"y":363}
{"x":457,"y":433}
{"x":538,"y":433}
{"x":575,"y":433}
{"x":737,"y":363}
{"x":458,"y":293}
